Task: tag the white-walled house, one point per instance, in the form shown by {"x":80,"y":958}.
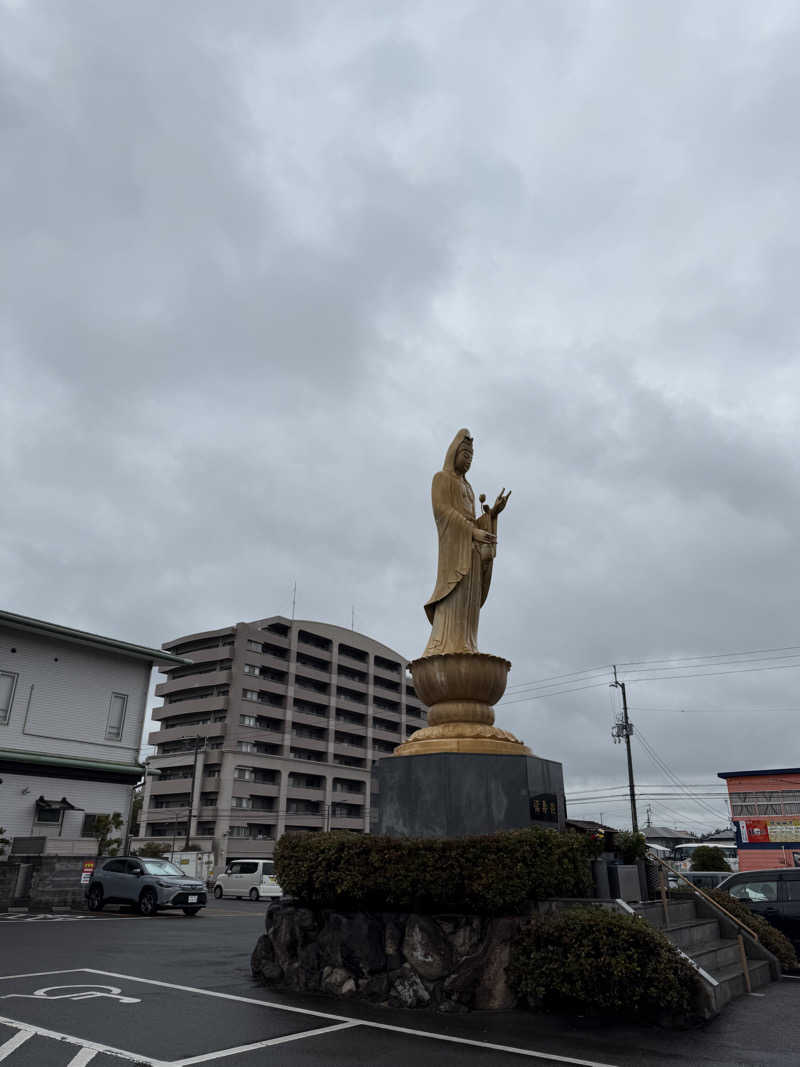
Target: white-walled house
{"x":72,"y":710}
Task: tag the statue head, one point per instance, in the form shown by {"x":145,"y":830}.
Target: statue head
{"x":459,"y":455}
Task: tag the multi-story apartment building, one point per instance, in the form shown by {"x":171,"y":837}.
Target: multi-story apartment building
{"x":273,"y":730}
{"x":72,"y":710}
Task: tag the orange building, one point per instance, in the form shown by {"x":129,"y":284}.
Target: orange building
{"x":765,"y":808}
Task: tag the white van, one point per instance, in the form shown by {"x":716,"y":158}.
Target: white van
{"x":247,"y":878}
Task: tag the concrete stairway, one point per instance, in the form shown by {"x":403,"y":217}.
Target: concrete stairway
{"x":710,"y":940}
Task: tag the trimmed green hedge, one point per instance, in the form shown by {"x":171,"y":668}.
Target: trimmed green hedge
{"x":493,"y":875}
{"x":770,"y":937}
{"x":595,"y":960}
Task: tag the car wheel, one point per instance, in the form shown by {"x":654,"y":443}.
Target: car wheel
{"x":254,"y":894}
{"x":94,"y":901}
{"x":148,"y":902}
{"x":190,"y":911}
{"x":218,"y":892}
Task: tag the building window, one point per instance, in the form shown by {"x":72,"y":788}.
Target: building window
{"x":116,"y":717}
{"x":88,"y":828}
{"x":251,"y":668}
{"x":51,"y":816}
{"x":8,"y":683}
{"x":250,"y":694}
{"x":247,"y":720}
{"x":241,"y":802}
{"x":238,"y":831}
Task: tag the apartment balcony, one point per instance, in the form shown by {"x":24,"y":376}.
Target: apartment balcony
{"x":386,"y":672}
{"x":272,"y":637}
{"x":351,"y":704}
{"x":297,"y":792}
{"x":196,"y":706}
{"x":318,"y":744}
{"x":265,"y":685}
{"x":342,"y":678}
{"x":251,"y":847}
{"x":193,"y":681}
{"x":202,"y":655}
{"x":386,"y":735}
{"x":316,"y":674}
{"x":171,"y":785}
{"x":243,"y":788}
{"x":352,"y":748}
{"x":361,"y":659}
{"x":339,"y":822}
{"x":188,"y":733}
{"x":305,"y":818}
{"x":342,"y":797}
{"x":309,"y":718}
{"x":269,"y":659}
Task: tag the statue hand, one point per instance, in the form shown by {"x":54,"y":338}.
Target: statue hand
{"x":483,"y":537}
{"x":501,"y":502}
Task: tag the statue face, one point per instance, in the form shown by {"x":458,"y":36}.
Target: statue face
{"x":463,"y":460}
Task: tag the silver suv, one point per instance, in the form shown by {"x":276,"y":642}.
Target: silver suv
{"x":149,"y":884}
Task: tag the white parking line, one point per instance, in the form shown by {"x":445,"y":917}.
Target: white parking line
{"x":80,"y":1059}
{"x":263,"y":1044}
{"x":14,"y":1042}
{"x":530,"y":1053}
{"x":82,"y":1043}
{"x":344,"y":1021}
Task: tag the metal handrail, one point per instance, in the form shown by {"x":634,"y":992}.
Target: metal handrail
{"x":705,"y":896}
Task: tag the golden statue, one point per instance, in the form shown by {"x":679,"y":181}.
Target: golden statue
{"x":466,"y":551}
{"x":457,"y":682}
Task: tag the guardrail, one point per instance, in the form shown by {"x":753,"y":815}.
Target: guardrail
{"x":662,"y":866}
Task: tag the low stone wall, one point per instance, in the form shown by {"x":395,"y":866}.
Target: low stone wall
{"x":446,"y":962}
{"x":55,"y":882}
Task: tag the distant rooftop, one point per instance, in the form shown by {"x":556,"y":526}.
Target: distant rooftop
{"x":755,"y":774}
{"x":665,"y":831}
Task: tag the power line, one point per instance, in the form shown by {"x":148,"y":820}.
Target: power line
{"x":678,"y":663}
{"x":670,"y":774}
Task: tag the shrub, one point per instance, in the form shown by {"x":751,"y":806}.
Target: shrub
{"x":708,"y":858}
{"x":153,"y":849}
{"x":771,"y":938}
{"x":495,"y":874}
{"x":595,"y":960}
{"x":632,"y":846}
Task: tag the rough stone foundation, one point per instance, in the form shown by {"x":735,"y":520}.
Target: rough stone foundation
{"x":446,"y":962}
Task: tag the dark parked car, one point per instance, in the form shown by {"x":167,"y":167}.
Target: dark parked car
{"x":773,"y":894}
{"x":149,"y":884}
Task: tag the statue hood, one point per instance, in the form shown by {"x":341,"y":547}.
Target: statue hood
{"x":450,"y":458}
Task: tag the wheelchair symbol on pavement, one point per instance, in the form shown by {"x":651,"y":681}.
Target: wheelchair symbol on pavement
{"x":87,"y":992}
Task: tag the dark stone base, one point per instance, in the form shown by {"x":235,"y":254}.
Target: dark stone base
{"x":453,"y":794}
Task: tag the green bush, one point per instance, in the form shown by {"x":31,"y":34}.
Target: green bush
{"x":771,"y":938}
{"x":709,"y":858}
{"x":632,"y":846}
{"x":593,"y":960}
{"x":492,"y":875}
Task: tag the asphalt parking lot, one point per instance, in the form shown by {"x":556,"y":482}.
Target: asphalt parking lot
{"x":171,"y":991}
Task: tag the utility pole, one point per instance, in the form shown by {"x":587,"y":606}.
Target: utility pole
{"x":197,"y":741}
{"x":624,"y":729}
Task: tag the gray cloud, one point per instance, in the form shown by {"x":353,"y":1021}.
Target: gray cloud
{"x":258,"y":265}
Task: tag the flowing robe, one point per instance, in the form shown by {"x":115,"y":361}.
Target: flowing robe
{"x":465,"y":566}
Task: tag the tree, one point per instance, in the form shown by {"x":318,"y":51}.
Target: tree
{"x":153,"y":849}
{"x":103,"y":827}
{"x":708,"y":858}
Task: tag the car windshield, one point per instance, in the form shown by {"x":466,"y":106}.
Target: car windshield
{"x":162,"y":867}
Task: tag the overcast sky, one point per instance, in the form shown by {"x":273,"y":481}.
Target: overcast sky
{"x":260,"y":261}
